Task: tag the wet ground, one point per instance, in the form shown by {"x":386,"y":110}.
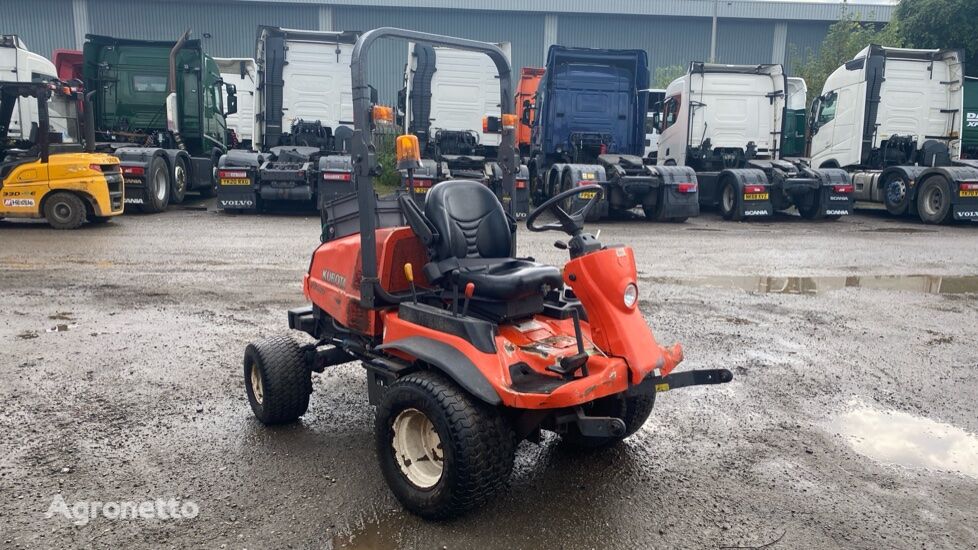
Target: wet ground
{"x":850,"y":424}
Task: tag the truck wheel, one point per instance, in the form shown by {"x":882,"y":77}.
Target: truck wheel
{"x":810,"y":212}
{"x":634,"y":411}
{"x":157,"y":185}
{"x":934,"y":200}
{"x":181,"y":175}
{"x":895,"y":195}
{"x":209,"y":191}
{"x":64,"y":210}
{"x":441,"y":451}
{"x":277,"y":380}
{"x":730,"y":202}
{"x":658,"y":213}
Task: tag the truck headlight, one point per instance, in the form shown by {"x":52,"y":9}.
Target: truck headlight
{"x":631,"y":295}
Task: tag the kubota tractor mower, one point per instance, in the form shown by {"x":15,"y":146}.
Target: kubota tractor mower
{"x":478,"y":349}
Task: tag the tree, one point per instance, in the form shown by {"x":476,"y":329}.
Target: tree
{"x":665,"y":75}
{"x":846,"y":37}
{"x":941,"y":24}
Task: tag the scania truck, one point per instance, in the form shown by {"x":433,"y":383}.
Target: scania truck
{"x":892,"y":117}
{"x":726,"y":122}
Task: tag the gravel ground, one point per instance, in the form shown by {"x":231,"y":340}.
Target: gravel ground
{"x":121,"y":364}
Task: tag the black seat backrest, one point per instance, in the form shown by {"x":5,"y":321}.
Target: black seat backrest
{"x":470,"y":220}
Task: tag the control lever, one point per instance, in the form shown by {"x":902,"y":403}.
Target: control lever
{"x":409,"y":275}
{"x":469,"y":291}
{"x":560,"y":244}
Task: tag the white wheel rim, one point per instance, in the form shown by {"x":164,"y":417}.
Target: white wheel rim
{"x":257,"y":389}
{"x":417,"y":448}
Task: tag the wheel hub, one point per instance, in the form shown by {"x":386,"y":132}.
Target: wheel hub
{"x":180,"y":176}
{"x":417,"y":448}
{"x":257,"y":389}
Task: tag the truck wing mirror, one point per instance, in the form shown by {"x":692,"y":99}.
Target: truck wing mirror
{"x":656,"y":120}
{"x":232,"y":92}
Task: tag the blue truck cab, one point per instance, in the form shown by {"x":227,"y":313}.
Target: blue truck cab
{"x":589,"y":127}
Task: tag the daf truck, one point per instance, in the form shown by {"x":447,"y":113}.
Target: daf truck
{"x":892,"y":117}
{"x":160,"y":108}
{"x":588,"y":127}
{"x":969,"y":130}
{"x":303,"y":124}
{"x":726,"y":122}
{"x":450,"y":96}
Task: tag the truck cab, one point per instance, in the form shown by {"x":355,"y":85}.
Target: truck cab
{"x":656,"y":96}
{"x":242,"y":72}
{"x":24,"y":66}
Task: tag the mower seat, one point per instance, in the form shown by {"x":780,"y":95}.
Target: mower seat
{"x":475,"y":244}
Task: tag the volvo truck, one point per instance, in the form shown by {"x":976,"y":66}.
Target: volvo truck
{"x":892,"y":117}
{"x":159,"y":107}
{"x":242,"y":72}
{"x":303,"y":124}
{"x":588,"y":127}
{"x":451,"y":97}
{"x":726,"y":122}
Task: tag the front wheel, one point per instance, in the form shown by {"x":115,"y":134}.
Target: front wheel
{"x":895,"y":195}
{"x":441,"y":451}
{"x":277,"y":381}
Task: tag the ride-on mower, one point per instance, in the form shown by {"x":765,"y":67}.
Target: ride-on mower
{"x":478,"y":349}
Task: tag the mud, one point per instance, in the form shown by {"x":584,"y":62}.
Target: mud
{"x":141,"y":398}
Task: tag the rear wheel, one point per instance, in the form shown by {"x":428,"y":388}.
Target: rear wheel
{"x":181,"y":176}
{"x":895,"y":196}
{"x":157,"y":186}
{"x":277,"y":381}
{"x":657,"y":212}
{"x":730,"y":201}
{"x":633,"y":411}
{"x":934,"y":200}
{"x":64,"y":210}
{"x":441,"y":451}
{"x":210,"y":190}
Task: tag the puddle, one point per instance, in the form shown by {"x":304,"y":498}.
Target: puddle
{"x":382,"y":533}
{"x":928,"y":284}
{"x":903,"y":439}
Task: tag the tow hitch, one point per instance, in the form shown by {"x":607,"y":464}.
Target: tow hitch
{"x":676,"y":380}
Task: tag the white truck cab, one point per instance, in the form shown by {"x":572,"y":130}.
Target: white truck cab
{"x":18,"y":64}
{"x":655,"y":98}
{"x":243,"y":73}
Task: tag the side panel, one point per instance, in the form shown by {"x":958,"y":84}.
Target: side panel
{"x":317,"y":84}
{"x":916,"y":100}
{"x":737,"y":109}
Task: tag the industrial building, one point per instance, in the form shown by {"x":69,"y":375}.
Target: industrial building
{"x":671,"y":31}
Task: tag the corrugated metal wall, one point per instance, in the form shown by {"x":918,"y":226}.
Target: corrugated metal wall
{"x":232,"y":26}
{"x":668,"y":40}
{"x":525,"y":33}
{"x":744,"y":42}
{"x":804,"y":39}
{"x":44,"y":25}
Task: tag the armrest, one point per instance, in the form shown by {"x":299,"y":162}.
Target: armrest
{"x":421,"y":225}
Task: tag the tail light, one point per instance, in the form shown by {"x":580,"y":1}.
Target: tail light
{"x":96,"y":167}
{"x":686,"y":188}
{"x":843,"y":188}
{"x":422,"y":182}
{"x":521,"y":184}
{"x":232,"y":174}
{"x":133,"y":170}
{"x":337,"y":176}
{"x":603,"y":148}
{"x":754,"y":189}
{"x":968,"y":186}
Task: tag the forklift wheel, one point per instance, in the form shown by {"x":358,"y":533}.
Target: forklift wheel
{"x":634,"y":411}
{"x":277,"y":380}
{"x":441,"y":451}
{"x":64,"y":210}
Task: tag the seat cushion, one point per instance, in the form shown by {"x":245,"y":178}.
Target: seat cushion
{"x":507,"y":279}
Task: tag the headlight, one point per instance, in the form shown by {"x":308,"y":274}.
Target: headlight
{"x":631,"y":295}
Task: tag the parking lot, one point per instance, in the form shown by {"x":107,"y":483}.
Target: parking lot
{"x":121,"y":364}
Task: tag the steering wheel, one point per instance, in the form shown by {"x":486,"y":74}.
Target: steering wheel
{"x":572,"y":224}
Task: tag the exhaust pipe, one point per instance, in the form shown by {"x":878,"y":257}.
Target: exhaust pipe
{"x":173,"y":59}
{"x":89,"y":122}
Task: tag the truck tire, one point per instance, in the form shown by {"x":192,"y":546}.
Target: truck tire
{"x":277,"y":381}
{"x":441,"y":451}
{"x":210,"y":191}
{"x":64,"y":210}
{"x":181,"y":177}
{"x":658,"y":212}
{"x":157,"y":185}
{"x":634,"y":411}
{"x":730,"y":200}
{"x":934,"y":200}
{"x":895,"y":195}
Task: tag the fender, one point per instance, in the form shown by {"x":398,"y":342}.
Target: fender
{"x":140,"y":156}
{"x":450,"y":361}
{"x":335,"y":175}
{"x":742,"y":177}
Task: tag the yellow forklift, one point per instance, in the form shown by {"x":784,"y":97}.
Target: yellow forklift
{"x":53,"y":172}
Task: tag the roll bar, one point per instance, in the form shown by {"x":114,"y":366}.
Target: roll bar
{"x":364,"y":154}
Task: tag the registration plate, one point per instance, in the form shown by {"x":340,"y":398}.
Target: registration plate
{"x":968,"y":193}
{"x":755,"y":196}
{"x":421,"y":190}
{"x":235,"y":181}
{"x":588,"y":195}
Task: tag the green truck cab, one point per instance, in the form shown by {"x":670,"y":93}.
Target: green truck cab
{"x":159,"y":106}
